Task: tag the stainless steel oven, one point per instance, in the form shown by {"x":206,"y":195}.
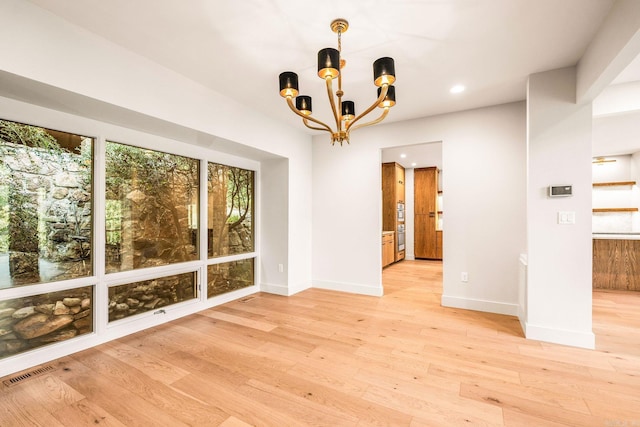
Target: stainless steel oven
{"x":400,"y":212}
{"x":400,"y":237}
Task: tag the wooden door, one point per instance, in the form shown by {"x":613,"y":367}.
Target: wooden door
{"x":399,"y":177}
{"x":425,"y":215}
{"x":389,"y":202}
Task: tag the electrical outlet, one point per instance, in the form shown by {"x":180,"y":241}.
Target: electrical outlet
{"x":464,"y":277}
{"x":281,"y":268}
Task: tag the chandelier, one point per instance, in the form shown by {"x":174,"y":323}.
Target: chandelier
{"x":330,"y":65}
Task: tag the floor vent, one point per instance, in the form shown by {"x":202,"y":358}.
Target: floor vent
{"x":247,"y":299}
{"x":26,"y":375}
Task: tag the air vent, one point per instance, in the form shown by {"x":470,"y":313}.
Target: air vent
{"x":247,"y":299}
{"x":26,"y":375}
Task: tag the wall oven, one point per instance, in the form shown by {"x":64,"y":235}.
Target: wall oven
{"x":400,"y":237}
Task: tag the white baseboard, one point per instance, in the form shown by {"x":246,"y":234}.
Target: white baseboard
{"x":480,"y":305}
{"x":522,"y":317}
{"x":560,"y":336}
{"x":283,"y":289}
{"x":353,"y":288}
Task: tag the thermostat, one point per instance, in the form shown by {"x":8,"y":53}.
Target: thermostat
{"x":560,"y":190}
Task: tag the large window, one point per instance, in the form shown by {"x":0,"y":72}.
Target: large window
{"x":139,"y":297}
{"x":30,"y":322}
{"x":149,"y":214}
{"x":229,"y":276}
{"x":45,"y":205}
{"x":151,"y":208}
{"x":230,"y":216}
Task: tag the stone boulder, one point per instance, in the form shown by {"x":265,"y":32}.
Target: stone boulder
{"x":24,"y":312}
{"x":6,"y":312}
{"x":40,"y":324}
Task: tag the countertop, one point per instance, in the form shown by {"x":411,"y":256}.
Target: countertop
{"x":617,"y":236}
{"x":388,"y":232}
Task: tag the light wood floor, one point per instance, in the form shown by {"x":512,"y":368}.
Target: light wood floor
{"x":332,"y":359}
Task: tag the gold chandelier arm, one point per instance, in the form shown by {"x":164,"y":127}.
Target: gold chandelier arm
{"x":333,"y":103}
{"x":373,"y":122}
{"x":383,"y":93}
{"x":306,"y":123}
{"x":305,"y":118}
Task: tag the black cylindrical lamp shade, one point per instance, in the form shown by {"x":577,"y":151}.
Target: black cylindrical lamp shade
{"x":384,"y":71}
{"x":390,"y":99}
{"x":303,"y":104}
{"x":348,"y":110}
{"x":288,"y":84}
{"x":328,"y":63}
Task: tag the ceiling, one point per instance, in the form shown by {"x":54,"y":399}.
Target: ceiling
{"x":490,"y":46}
{"x":239,"y":48}
{"x":415,"y":156}
{"x":616,"y":114}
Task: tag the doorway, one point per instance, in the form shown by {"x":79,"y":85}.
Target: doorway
{"x":411,"y":157}
{"x":411,"y":271}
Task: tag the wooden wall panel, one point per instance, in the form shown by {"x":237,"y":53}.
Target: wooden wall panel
{"x":393,"y":187}
{"x":439,"y":244}
{"x":389,"y":202}
{"x":616,"y":264}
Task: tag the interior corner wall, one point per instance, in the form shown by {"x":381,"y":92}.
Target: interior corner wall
{"x":299,"y":218}
{"x":559,"y":281}
{"x":347,"y":217}
{"x":96,"y":78}
{"x":483,"y":154}
{"x":274,"y":217}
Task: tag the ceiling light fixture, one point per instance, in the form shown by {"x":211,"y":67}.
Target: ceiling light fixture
{"x":602,"y":160}
{"x":457,"y":89}
{"x":330,"y":64}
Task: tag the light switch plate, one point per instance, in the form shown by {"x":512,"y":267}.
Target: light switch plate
{"x":565,"y":217}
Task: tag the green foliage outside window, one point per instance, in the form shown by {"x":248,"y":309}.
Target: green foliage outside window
{"x":45,"y":205}
{"x":150,"y":195}
{"x":4,"y":216}
{"x":231,"y":192}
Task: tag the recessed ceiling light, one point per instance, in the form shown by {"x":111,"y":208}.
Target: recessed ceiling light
{"x":413,"y":164}
{"x":403,"y":155}
{"x":457,"y":89}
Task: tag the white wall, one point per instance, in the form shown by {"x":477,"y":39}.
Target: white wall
{"x":616,"y":99}
{"x":559,"y":256}
{"x":274,"y":176}
{"x":619,"y":170}
{"x":347,"y":207}
{"x":616,"y":134}
{"x":484,"y":192}
{"x":77,"y":71}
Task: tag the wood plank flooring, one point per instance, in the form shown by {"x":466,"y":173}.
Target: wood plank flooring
{"x":327,"y":358}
